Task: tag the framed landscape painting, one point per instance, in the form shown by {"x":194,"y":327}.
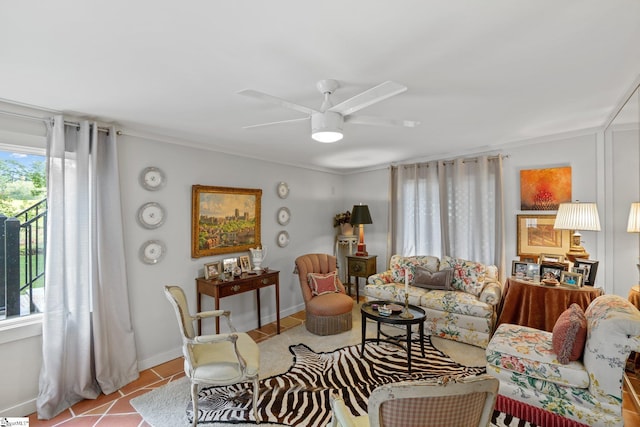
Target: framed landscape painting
{"x":224,"y":220}
{"x":536,"y":235}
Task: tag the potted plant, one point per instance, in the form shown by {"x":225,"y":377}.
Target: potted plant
{"x":343,"y":220}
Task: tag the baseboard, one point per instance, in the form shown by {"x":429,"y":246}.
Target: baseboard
{"x":159,"y":359}
{"x":23,"y":409}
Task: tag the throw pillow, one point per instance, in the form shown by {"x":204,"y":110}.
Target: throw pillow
{"x":439,"y":280}
{"x":399,"y":264}
{"x":323,"y":283}
{"x":570,"y":334}
{"x":468,"y":276}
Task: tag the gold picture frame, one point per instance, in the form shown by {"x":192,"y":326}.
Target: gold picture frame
{"x":224,"y":220}
{"x":573,"y":280}
{"x":537,"y":235}
{"x":245,"y":263}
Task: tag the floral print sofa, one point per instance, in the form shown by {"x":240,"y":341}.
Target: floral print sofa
{"x":587,"y":391}
{"x":467,"y":313}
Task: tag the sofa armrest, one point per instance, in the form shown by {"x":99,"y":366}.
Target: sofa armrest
{"x":491,"y":293}
{"x":380,"y":278}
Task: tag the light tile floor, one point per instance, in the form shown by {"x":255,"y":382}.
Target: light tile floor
{"x":115,"y":409}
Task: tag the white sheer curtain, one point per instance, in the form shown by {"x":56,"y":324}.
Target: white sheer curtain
{"x":450,"y":208}
{"x":88,"y":340}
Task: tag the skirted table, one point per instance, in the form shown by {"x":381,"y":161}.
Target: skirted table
{"x":539,"y":306}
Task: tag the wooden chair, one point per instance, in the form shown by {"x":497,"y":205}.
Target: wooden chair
{"x":215,"y":360}
{"x":464,"y":402}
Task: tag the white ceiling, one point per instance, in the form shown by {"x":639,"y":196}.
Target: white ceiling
{"x":480,"y":74}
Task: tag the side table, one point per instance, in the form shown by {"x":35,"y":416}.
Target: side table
{"x":360,"y":266}
{"x":538,"y":306}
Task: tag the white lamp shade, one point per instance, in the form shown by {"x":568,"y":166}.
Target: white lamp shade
{"x":326,"y":127}
{"x":577,"y":216}
{"x":633,"y":226}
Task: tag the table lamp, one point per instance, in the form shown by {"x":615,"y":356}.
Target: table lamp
{"x":577,"y":216}
{"x":359,"y":216}
{"x":633,"y":226}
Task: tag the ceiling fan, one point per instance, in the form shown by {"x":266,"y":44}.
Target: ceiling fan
{"x":326,"y":123}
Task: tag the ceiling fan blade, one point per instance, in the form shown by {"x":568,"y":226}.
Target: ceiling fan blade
{"x":368,"y":97}
{"x":278,"y":101}
{"x":276,"y":123}
{"x":380,"y":121}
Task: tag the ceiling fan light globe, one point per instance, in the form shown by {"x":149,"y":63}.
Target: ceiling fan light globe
{"x":327,"y":137}
{"x":326,"y":127}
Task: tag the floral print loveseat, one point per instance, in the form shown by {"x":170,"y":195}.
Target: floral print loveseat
{"x":587,"y":391}
{"x":467,"y":313}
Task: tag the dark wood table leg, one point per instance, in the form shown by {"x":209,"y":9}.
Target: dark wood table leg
{"x":421,"y":329}
{"x":278,"y":306}
{"x":409,"y":347}
{"x":217,"y":317}
{"x":364,"y":333}
{"x":258,"y":302}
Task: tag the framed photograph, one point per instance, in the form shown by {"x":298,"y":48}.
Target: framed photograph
{"x":552,"y":270}
{"x":245,"y":264}
{"x":568,"y":278}
{"x":533,"y":270}
{"x":519,"y":269}
{"x":536,"y":235}
{"x":229,"y":264}
{"x":582,"y":271}
{"x":224,"y":220}
{"x":529,"y":258}
{"x":212,"y":270}
{"x":591,"y":268}
{"x":551,"y":258}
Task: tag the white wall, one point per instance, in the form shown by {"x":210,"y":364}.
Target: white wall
{"x":313,"y":200}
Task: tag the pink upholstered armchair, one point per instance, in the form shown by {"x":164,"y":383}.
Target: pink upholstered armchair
{"x":329,"y":312}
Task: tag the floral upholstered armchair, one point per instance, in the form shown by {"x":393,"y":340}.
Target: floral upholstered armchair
{"x":536,"y":386}
{"x":460,"y":297}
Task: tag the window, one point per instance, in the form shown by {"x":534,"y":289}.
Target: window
{"x":23,"y":210}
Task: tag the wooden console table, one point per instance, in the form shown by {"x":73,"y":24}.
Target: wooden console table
{"x":245,"y":283}
{"x":539,"y":306}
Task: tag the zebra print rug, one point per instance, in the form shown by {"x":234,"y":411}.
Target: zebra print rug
{"x":300,"y":396}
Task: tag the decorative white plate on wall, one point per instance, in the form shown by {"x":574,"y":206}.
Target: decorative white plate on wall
{"x":152,"y":178}
{"x":152,"y":251}
{"x":151,"y":215}
{"x":283,"y":190}
{"x":283,"y":239}
{"x":284,"y":216}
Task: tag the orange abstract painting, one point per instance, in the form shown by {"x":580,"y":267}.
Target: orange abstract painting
{"x":544,"y":189}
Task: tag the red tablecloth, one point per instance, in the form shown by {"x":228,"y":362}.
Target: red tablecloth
{"x":538,"y":306}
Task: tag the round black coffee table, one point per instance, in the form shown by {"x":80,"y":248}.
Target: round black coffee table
{"x":368,"y":312}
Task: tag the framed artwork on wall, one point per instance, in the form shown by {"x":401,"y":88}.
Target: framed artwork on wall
{"x":536,"y":235}
{"x":224,"y":220}
{"x":544,"y":189}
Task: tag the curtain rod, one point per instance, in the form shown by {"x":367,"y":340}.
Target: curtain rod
{"x":44,"y":119}
{"x":450,"y":162}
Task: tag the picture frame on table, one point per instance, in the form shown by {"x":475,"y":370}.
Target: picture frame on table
{"x":245,"y":263}
{"x":519,"y":269}
{"x":536,"y":235}
{"x":581,"y":270}
{"x":591,"y":267}
{"x":229,"y":264}
{"x":552,"y":270}
{"x":212,"y":270}
{"x":224,"y":220}
{"x":573,"y":280}
{"x":551,"y":258}
{"x":532,"y":258}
